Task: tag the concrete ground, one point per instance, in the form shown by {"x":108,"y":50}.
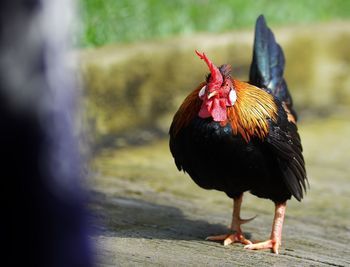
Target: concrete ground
{"x":149,"y":214}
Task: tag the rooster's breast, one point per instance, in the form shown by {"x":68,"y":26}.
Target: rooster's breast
{"x":215,"y":158}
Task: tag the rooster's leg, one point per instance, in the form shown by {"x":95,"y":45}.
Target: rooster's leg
{"x":276,"y":234}
{"x":236,"y":234}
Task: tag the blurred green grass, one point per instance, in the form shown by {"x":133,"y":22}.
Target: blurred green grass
{"x":110,"y":21}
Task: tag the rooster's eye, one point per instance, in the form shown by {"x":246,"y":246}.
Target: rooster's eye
{"x":202,"y":92}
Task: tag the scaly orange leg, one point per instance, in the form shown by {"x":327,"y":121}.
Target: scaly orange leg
{"x":236,"y":234}
{"x":276,"y":234}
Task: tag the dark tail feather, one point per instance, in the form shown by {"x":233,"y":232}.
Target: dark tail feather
{"x":266,"y":70}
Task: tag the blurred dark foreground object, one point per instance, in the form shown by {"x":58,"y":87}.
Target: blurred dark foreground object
{"x":43,"y":220}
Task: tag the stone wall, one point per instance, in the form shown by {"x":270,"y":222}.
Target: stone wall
{"x":139,"y":86}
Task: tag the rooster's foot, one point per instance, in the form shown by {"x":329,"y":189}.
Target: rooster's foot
{"x":230,"y":238}
{"x":272,"y":244}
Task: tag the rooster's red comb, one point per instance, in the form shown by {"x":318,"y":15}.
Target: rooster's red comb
{"x":216,"y":77}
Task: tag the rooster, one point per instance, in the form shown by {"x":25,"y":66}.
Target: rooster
{"x":235,"y":136}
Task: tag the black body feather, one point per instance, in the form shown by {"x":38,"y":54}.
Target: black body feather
{"x":215,"y":158}
{"x":271,"y":167}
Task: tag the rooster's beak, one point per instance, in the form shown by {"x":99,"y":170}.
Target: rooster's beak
{"x":210,"y":95}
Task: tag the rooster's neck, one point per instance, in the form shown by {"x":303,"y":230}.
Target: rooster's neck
{"x":249,"y":116}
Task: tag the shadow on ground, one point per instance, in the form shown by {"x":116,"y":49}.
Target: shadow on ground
{"x":135,"y":218}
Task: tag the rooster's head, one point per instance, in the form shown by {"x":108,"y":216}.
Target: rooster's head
{"x":218,"y":93}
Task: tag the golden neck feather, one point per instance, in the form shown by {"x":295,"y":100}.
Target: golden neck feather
{"x":248,"y":116}
{"x":187,"y":111}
